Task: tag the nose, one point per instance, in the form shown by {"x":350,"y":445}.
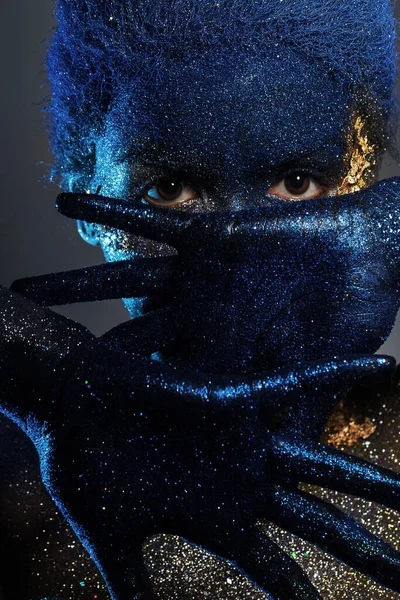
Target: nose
{"x":238,"y":201}
{"x":249,"y":196}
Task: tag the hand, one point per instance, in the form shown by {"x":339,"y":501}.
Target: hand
{"x":129,"y":447}
{"x":254,"y":289}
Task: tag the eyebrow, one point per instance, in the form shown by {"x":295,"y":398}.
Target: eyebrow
{"x":146,"y":169}
{"x":326,"y":160}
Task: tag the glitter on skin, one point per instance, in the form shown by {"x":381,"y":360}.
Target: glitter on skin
{"x":297,"y":389}
{"x":179,"y":570}
{"x":236,"y":201}
{"x":251,"y":144}
{"x":362,"y":160}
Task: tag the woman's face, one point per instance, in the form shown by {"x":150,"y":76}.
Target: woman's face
{"x":227,"y":133}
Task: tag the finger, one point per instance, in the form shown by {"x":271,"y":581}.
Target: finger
{"x":122,"y":279}
{"x":33,"y":343}
{"x":262,"y":561}
{"x":192,"y":396}
{"x":301,"y":397}
{"x":288,"y":394}
{"x":160,"y":224}
{"x":336,"y":533}
{"x":321,"y":465}
{"x":278,"y":216}
{"x":144,"y":335}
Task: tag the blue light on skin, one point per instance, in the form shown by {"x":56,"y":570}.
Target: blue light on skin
{"x":230,"y":128}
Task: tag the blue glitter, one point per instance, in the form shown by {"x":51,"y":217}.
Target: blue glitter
{"x":99,"y":49}
{"x":261,"y":312}
{"x":231,"y":434}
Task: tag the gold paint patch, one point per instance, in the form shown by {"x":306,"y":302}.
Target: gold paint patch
{"x":344,"y":430}
{"x":362,"y":161}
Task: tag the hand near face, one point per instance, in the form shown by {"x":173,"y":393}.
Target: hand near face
{"x":253,"y":289}
{"x":130,"y":447}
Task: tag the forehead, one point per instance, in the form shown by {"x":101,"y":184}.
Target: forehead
{"x":232,"y":113}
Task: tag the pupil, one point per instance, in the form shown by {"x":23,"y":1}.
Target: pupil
{"x":297,"y":183}
{"x":169,"y":189}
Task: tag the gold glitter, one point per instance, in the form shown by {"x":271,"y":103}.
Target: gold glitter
{"x":344,"y":430}
{"x":179,"y":570}
{"x":362,"y":160}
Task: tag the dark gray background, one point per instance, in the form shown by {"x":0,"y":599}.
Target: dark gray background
{"x":34,"y":238}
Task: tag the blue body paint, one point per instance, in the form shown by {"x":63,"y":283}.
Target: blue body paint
{"x":268,"y":310}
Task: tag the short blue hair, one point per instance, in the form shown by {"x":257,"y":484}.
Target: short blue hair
{"x":99,"y":47}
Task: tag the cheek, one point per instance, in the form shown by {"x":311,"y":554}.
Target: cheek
{"x":134,"y":306}
{"x":117,"y":245}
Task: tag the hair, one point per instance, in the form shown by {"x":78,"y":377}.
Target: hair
{"x":100,"y":46}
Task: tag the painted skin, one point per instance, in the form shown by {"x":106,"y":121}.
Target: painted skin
{"x":163,"y":395}
{"x":247,"y":157}
{"x":225,"y":136}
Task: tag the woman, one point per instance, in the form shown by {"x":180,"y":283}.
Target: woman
{"x":209,"y":108}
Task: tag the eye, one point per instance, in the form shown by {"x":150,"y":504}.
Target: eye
{"x":170,"y":192}
{"x":298,"y":186}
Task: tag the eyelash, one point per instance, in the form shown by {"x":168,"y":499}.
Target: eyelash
{"x":321,"y":178}
{"x":141,"y":190}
